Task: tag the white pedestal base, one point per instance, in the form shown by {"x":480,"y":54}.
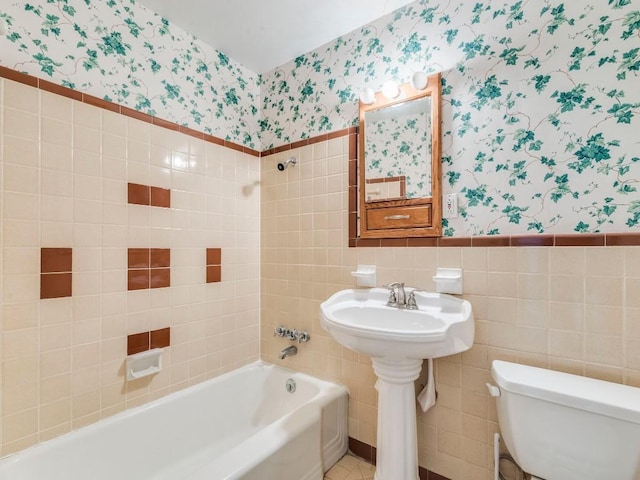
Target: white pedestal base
{"x":397,"y":448}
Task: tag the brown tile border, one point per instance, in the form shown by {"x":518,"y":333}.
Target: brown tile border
{"x":79,"y":96}
{"x":368,"y":453}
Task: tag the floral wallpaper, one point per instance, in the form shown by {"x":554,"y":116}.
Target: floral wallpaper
{"x":120,"y":51}
{"x":540,"y":106}
{"x":400,"y":146}
{"x":540,"y":98}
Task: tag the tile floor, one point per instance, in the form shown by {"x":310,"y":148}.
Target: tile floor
{"x":351,"y":468}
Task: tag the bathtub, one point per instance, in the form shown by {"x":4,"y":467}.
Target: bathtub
{"x":242,"y":425}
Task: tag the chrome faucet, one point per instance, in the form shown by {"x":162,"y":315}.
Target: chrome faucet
{"x":290,"y":351}
{"x":398,"y":299}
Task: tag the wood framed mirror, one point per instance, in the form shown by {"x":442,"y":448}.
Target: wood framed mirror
{"x":400,"y":158}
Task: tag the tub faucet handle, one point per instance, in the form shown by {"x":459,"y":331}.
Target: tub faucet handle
{"x":304,"y":337}
{"x":292,"y":334}
{"x":280,"y":331}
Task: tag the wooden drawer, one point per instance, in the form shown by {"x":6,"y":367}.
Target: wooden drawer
{"x":418,"y":216}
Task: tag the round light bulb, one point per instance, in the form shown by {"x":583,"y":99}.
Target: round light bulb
{"x":367,"y":96}
{"x":390,"y":89}
{"x":420,"y":80}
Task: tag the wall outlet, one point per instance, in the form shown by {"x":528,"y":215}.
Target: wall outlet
{"x":450,"y":205}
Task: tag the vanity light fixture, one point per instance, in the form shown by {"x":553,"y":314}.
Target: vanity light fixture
{"x":390,"y":89}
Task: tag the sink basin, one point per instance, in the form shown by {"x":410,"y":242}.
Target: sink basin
{"x":362,"y":321}
{"x":397,"y":340}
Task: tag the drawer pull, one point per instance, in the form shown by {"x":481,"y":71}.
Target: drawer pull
{"x":397,"y":217}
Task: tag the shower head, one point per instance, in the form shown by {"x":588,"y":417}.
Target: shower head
{"x":282,"y":166}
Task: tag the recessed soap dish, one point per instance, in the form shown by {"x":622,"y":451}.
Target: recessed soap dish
{"x":144,"y":364}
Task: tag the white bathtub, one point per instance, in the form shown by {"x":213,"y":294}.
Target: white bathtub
{"x":241,"y":425}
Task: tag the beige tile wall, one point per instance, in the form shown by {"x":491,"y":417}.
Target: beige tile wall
{"x":64,"y":172}
{"x":574,"y":309}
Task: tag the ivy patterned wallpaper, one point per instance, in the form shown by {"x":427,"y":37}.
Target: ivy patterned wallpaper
{"x":540,"y":98}
{"x":400,"y":146}
{"x":123,"y":52}
{"x":541,"y":105}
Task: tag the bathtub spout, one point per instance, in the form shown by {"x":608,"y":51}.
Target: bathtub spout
{"x":290,"y":351}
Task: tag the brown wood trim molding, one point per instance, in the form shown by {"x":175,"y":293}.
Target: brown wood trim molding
{"x":368,"y":453}
{"x":51,"y":87}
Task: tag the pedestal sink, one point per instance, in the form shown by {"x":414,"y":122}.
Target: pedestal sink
{"x":398,"y":340}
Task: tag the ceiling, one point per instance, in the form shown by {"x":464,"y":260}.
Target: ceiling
{"x":262,"y":35}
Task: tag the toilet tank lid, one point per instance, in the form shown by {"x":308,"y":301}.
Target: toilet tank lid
{"x":597,"y":396}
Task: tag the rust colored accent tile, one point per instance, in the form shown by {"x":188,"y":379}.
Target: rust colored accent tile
{"x":55,"y":285}
{"x":491,"y":241}
{"x":160,"y":338}
{"x":353,"y":130}
{"x":160,"y":197}
{"x":320,"y":138}
{"x":422,"y":242}
{"x":139,"y":194}
{"x":212,"y":139}
{"x":214,"y":273}
{"x":252,"y":152}
{"x":54,"y":260}
{"x":233,"y":146}
{"x":160,"y":257}
{"x":138,"y":279}
{"x":191,"y":132}
{"x":393,"y":242}
{"x":353,"y":147}
{"x":19,"y":77}
{"x":60,"y":90}
{"x":160,"y":277}
{"x":100,"y":103}
{"x":352,"y":242}
{"x":435,"y":476}
{"x":266,"y":153}
{"x":454,"y":241}
{"x":214,"y":256}
{"x":367,"y":242}
{"x":130,"y":112}
{"x":353,"y":173}
{"x":137,"y":343}
{"x":282,"y":148}
{"x":166,"y":124}
{"x":353,"y":200}
{"x":300,"y":143}
{"x":361,"y":449}
{"x":138,"y":258}
{"x":353,"y":224}
{"x":338,"y":133}
{"x":622,"y":239}
{"x":580,"y":240}
{"x":532,"y":240}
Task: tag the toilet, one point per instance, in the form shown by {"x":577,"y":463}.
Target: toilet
{"x":559,"y":426}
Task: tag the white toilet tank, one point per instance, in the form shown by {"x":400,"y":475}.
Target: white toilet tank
{"x":559,"y":426}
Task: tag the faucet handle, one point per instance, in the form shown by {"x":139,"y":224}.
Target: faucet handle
{"x":411,"y":301}
{"x":393,"y":300}
{"x":279,"y":331}
{"x":291,"y":334}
